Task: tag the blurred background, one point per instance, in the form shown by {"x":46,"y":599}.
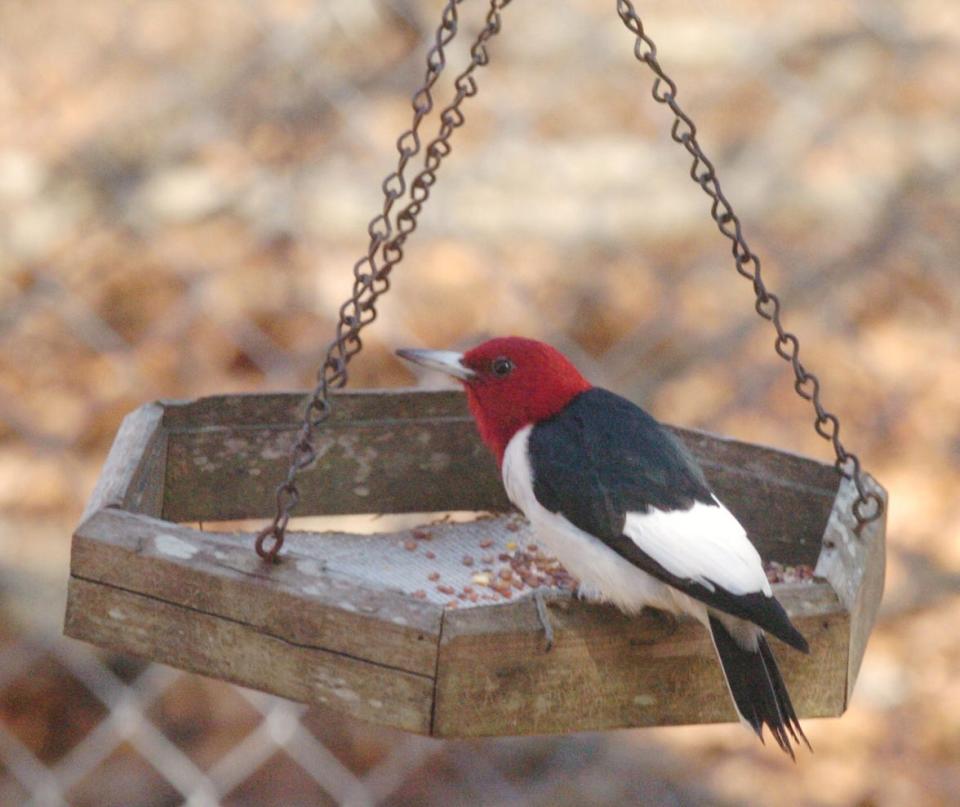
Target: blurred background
{"x":184,"y":187}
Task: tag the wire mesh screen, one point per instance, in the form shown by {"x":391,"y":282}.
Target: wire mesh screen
{"x":184,"y":187}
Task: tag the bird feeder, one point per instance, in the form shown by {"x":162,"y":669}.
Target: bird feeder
{"x":371,"y":625}
{"x":435,"y":629}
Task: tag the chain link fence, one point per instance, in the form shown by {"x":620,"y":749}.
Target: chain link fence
{"x":184,"y":187}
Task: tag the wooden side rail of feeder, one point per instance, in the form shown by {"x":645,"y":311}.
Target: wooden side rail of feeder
{"x":354,"y":622}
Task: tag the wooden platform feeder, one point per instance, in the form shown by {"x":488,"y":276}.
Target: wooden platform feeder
{"x":356,"y":623}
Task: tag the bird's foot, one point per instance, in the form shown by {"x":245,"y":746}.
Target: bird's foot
{"x":544,"y":618}
{"x":583,"y":592}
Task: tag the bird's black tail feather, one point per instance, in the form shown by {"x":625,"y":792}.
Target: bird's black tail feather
{"x":757,"y":687}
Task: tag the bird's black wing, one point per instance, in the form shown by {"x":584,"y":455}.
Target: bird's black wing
{"x":603,"y":457}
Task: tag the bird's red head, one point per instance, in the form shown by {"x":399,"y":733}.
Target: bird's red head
{"x":511,"y":382}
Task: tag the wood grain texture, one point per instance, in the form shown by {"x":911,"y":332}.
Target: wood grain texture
{"x":236,"y":652}
{"x":132,"y":476}
{"x":286,"y":408}
{"x":378,"y":453}
{"x":855,"y":566}
{"x":294,"y":600}
{"x":608,"y":670}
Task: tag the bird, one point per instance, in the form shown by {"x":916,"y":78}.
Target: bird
{"x":627,"y":510}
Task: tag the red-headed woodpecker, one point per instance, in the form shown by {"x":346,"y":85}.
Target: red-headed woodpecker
{"x":627,"y":510}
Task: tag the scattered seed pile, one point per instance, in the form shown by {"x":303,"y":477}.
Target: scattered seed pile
{"x":490,"y":560}
{"x":781,"y":573}
{"x":502,"y":564}
{"x":498,"y":574}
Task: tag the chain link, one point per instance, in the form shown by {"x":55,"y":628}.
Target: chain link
{"x":385,"y":250}
{"x":868,"y":505}
{"x":372,"y":271}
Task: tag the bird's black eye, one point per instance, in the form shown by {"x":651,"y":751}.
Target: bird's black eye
{"x":501,"y":366}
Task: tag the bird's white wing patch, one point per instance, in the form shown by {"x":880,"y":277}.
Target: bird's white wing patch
{"x":705,"y":544}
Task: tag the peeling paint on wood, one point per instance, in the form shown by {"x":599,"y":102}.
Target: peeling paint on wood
{"x":855,"y":566}
{"x":212,"y":645}
{"x":132,"y":476}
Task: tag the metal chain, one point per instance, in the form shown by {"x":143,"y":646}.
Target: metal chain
{"x":371,"y":276}
{"x":868,"y":505}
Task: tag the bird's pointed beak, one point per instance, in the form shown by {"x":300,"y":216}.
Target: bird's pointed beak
{"x":446,"y":361}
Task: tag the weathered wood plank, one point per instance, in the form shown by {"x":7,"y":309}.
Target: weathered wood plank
{"x":219,"y":574}
{"x":286,"y":408}
{"x":236,"y":652}
{"x":283,"y":410}
{"x":364,"y":466}
{"x":132,"y":476}
{"x":608,"y":670}
{"x":855,"y":566}
{"x":403,"y":451}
